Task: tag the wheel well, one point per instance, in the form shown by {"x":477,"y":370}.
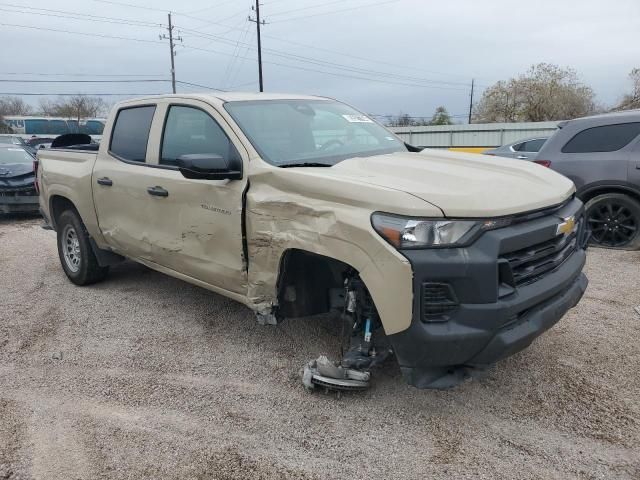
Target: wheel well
{"x":58,"y":205}
{"x":309,"y":284}
{"x":592,"y":193}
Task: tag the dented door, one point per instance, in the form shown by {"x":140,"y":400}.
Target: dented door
{"x":118,"y":179}
{"x":196,"y":229}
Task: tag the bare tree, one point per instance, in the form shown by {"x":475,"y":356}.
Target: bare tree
{"x":77,"y":107}
{"x":544,"y":92}
{"x":632,"y":100}
{"x":12,"y":106}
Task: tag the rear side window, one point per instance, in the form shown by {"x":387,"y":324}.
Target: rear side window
{"x":131,"y":133}
{"x":532,"y":145}
{"x":608,"y":138}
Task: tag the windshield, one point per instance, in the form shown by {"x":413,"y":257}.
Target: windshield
{"x":286,"y":132}
{"x":14,"y":155}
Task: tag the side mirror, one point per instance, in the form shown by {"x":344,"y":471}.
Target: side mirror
{"x":208,"y":166}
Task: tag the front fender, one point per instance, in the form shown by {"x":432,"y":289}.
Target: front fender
{"x":277,"y":223}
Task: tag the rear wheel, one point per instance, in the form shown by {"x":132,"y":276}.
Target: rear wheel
{"x":75,"y":252}
{"x":614,"y":221}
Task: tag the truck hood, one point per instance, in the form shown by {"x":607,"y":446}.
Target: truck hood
{"x":461,"y":185}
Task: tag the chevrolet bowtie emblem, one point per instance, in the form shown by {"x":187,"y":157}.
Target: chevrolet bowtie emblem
{"x":567,"y":226}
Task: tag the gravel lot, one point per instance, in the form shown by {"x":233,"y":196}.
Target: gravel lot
{"x":144,"y":376}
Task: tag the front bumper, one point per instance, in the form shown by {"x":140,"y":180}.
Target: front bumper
{"x":491,"y":320}
{"x":19,"y":204}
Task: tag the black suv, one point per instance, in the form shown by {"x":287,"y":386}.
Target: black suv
{"x":601,"y":154}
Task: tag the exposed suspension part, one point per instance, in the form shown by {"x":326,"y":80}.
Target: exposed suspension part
{"x":368,"y":346}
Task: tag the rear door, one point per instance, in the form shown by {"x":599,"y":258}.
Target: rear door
{"x":597,"y":154}
{"x":119,"y":178}
{"x":634,"y":164}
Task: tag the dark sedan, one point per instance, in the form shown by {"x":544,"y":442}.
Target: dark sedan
{"x":17,"y":189}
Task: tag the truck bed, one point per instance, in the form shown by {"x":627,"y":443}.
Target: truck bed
{"x":67,"y":173}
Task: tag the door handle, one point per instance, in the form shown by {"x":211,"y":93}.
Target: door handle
{"x":637,"y":167}
{"x":522,"y":157}
{"x":157,"y":191}
{"x":106,"y":181}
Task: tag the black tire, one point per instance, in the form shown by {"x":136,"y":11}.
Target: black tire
{"x":76,"y":255}
{"x":614,"y":221}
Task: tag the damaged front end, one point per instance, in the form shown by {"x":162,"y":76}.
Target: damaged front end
{"x":17,"y":190}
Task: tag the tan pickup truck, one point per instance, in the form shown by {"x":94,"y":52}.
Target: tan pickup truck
{"x":299,"y":205}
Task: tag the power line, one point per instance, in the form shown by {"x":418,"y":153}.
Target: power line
{"x":286,"y":12}
{"x":236,"y":53}
{"x":74,"y":16}
{"x":110,"y":94}
{"x":42,"y":74}
{"x":188,"y":15}
{"x":81,"y":33}
{"x":242,"y":60}
{"x":22,"y":80}
{"x":357,"y":57}
{"x":335,"y":65}
{"x":296,"y":67}
{"x":218,"y":5}
{"x":200,"y":86}
{"x":122,"y":4}
{"x":276,"y":52}
{"x":368,"y":5}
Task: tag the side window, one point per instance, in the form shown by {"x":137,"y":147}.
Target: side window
{"x":608,"y":138}
{"x":131,"y":133}
{"x":532,"y":145}
{"x":189,"y":130}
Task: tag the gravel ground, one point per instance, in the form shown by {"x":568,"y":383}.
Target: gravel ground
{"x":144,"y":376}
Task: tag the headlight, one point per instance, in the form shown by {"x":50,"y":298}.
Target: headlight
{"x":407,"y":232}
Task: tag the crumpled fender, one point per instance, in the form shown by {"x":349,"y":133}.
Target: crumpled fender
{"x":293,"y":208}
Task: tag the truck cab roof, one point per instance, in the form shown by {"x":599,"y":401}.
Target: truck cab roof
{"x":222,"y":97}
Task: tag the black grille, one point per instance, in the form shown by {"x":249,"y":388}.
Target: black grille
{"x":17,"y":192}
{"x":438,"y":300}
{"x":532,"y":263}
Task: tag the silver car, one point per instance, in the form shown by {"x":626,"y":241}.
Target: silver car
{"x":526,"y":149}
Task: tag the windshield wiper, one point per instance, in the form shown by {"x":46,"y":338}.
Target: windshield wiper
{"x":309,"y":164}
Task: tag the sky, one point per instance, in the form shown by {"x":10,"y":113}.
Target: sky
{"x":382,"y":56}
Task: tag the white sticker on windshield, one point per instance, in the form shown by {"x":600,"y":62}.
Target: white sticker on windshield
{"x":357,"y":119}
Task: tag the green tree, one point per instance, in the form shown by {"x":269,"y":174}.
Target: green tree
{"x":441,"y":117}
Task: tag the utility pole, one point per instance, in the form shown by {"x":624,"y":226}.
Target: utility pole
{"x":471,"y":101}
{"x":258,"y":24}
{"x":172,"y":51}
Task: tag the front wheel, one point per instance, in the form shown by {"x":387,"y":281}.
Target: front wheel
{"x":76,"y":256}
{"x":614,"y":221}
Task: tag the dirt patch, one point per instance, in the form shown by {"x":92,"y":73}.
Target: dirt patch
{"x":145,"y":376}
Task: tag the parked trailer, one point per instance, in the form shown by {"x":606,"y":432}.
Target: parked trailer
{"x":473,"y":138}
